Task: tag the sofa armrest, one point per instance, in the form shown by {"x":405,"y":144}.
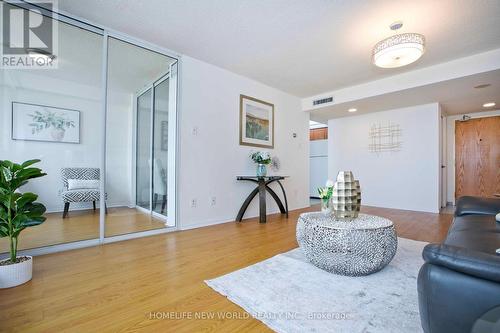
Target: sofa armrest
{"x":474,"y":263}
{"x":477,"y":205}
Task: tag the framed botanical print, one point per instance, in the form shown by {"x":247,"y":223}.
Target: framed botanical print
{"x":256,"y":122}
{"x":34,"y":122}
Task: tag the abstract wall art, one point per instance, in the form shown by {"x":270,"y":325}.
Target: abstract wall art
{"x":384,"y":137}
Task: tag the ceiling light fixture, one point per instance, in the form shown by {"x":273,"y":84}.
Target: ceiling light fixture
{"x":489,"y":105}
{"x":481,"y":86}
{"x":352,"y":110}
{"x":398,"y":50}
{"x":41,"y":55}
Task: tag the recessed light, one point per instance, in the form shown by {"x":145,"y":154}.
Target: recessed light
{"x":481,"y":86}
{"x":352,"y":110}
{"x":489,"y":105}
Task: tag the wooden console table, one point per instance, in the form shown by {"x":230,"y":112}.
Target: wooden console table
{"x":261,"y":189}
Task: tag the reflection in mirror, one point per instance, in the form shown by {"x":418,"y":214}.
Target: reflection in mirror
{"x":55,"y":115}
{"x":160,"y":148}
{"x":136,"y":144}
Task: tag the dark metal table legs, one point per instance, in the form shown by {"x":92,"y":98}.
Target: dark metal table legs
{"x":262,"y":202}
{"x":261,"y":189}
{"x":247,"y":201}
{"x":284,"y":196}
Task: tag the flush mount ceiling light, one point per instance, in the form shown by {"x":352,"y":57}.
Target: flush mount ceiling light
{"x":489,"y":105}
{"x":352,"y":110}
{"x":41,"y":54}
{"x":398,"y":50}
{"x":481,"y":86}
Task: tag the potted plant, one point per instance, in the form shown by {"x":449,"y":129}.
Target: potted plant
{"x":58,"y":123}
{"x":262,"y":159}
{"x":17,"y":212}
{"x":325,"y":194}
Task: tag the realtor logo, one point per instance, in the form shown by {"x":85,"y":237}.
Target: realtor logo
{"x":29,"y":37}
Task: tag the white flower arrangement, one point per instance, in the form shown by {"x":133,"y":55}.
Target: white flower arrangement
{"x":261,"y":157}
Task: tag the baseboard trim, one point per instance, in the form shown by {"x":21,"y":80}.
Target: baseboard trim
{"x":228,"y":220}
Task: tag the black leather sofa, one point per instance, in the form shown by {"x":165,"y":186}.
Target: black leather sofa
{"x":460,"y":280}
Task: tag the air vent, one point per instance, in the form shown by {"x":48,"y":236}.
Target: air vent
{"x":323,"y":101}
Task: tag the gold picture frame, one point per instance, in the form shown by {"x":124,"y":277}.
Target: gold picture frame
{"x":256,"y":122}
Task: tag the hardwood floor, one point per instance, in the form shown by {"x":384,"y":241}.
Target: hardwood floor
{"x":116,"y":287}
{"x":83,"y":225}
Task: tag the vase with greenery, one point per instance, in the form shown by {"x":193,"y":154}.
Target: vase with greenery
{"x":50,"y":120}
{"x":262,"y":158}
{"x":325,"y":195}
{"x":18,"y":211}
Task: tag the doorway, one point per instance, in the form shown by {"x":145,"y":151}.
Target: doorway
{"x":152,"y":119}
{"x":477,"y":157}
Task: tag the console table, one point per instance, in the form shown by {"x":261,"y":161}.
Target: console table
{"x":263,"y":187}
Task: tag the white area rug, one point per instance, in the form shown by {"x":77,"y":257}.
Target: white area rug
{"x":289,"y":294}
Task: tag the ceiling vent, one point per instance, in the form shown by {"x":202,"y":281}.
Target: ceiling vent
{"x":322,"y":101}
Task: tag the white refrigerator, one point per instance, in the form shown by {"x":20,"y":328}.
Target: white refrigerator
{"x":318,"y":158}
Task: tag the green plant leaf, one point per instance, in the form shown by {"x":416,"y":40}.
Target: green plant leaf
{"x":34,"y":221}
{"x":5,"y":200}
{"x":34,"y":209}
{"x":29,"y":173}
{"x":6,"y":163}
{"x":25,"y":198}
{"x":4,"y":228}
{"x":18,"y":220}
{"x":3,"y":214}
{"x":29,"y":162}
{"x":6,"y":174}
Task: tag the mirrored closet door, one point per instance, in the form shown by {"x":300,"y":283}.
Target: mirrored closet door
{"x":139,"y":102}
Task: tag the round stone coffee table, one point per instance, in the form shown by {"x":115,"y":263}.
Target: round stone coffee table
{"x":352,"y":247}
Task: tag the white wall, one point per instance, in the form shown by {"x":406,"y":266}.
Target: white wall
{"x":450,"y":148}
{"x":211,"y":159}
{"x":407,"y":179}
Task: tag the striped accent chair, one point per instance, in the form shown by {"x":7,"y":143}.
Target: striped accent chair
{"x":79,"y":195}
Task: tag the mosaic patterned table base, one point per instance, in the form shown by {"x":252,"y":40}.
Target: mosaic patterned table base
{"x":352,"y":247}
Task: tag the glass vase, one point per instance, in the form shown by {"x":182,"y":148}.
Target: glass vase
{"x":261,"y":170}
{"x":326,"y":206}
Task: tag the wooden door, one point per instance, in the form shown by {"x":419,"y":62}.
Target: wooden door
{"x":318,"y":133}
{"x":477,"y":157}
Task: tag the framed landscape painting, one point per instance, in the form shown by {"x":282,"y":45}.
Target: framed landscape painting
{"x":256,"y":122}
{"x":35,"y":122}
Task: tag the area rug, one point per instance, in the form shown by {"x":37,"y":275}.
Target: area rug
{"x":289,"y":294}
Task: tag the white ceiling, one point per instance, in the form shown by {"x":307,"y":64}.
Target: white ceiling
{"x":457,"y":96}
{"x":302,"y":47}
